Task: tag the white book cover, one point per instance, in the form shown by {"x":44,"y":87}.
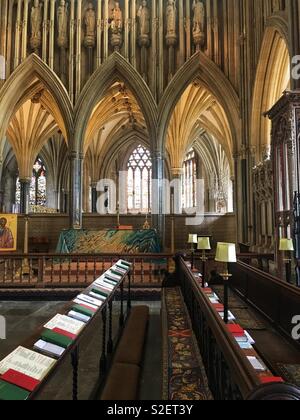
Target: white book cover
{"x":250,"y":339}
{"x":81,"y":302}
{"x":108,"y":286}
{"x":126,"y":262}
{"x":97,"y":296}
{"x":49,"y":348}
{"x":88,"y":299}
{"x":79,"y":317}
{"x":28,"y":362}
{"x":122,"y":271}
{"x":65,"y":323}
{"x":245,"y":346}
{"x":112,"y":276}
{"x":256,"y":363}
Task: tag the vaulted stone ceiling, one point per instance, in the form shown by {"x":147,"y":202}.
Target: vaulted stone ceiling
{"x":196,"y":112}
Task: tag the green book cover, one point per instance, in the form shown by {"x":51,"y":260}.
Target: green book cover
{"x":99,"y":292}
{"x":116,"y":273}
{"x":9,"y":392}
{"x":122,"y":267}
{"x":126,"y":264}
{"x":55,"y":338}
{"x":84,"y":311}
{"x":110,"y":279}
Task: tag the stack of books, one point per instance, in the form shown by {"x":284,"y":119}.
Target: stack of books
{"x":23,"y":370}
{"x":220,"y":309}
{"x":21,"y":373}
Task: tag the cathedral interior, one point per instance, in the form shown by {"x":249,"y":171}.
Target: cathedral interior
{"x":164,"y":134}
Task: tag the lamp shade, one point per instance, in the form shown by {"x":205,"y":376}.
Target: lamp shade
{"x":193,"y":239}
{"x":226,"y":253}
{"x":204,"y":244}
{"x":286,"y":245}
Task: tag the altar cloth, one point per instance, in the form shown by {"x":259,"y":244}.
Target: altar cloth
{"x":108,"y":241}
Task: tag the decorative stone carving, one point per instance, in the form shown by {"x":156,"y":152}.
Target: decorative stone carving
{"x":90,"y":25}
{"x":116,"y":26}
{"x":171,"y":17}
{"x":62,"y":22}
{"x":143,"y":15}
{"x":36,"y":22}
{"x":199,"y":23}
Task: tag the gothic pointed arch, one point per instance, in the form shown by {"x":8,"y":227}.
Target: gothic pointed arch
{"x":115,"y":69}
{"x":272,"y":79}
{"x":199,"y":67}
{"x":17,"y":85}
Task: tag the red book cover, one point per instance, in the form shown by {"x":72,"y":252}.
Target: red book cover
{"x":21,"y":380}
{"x":236,"y":330}
{"x":86,"y":306}
{"x":207,"y":291}
{"x":271,"y":379}
{"x":219,"y":307}
{"x":65,"y":333}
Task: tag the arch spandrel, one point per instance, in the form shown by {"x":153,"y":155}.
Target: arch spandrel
{"x":115,"y":69}
{"x":202,"y":69}
{"x":18,"y":86}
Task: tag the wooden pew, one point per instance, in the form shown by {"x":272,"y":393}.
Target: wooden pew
{"x":123,"y":379}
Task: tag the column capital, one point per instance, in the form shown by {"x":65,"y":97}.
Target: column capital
{"x":73,"y":155}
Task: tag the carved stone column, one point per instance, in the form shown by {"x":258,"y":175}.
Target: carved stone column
{"x":158,"y":195}
{"x":25,"y":195}
{"x":76,"y":166}
{"x":94,"y":197}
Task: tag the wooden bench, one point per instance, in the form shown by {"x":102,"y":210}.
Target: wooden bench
{"x":123,"y":379}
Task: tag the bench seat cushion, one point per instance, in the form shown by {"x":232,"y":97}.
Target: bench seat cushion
{"x":122,"y":384}
{"x":131,"y":347}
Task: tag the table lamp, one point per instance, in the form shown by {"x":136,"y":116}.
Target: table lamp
{"x":192,"y":239}
{"x":287,"y":247}
{"x":226,"y":253}
{"x":203,"y":245}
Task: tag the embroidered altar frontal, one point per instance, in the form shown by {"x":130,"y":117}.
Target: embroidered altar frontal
{"x":108,"y":241}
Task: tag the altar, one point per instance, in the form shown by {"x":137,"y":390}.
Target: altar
{"x":111,"y":241}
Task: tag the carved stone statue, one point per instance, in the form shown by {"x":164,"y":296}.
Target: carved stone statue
{"x":116,"y":19}
{"x":171,"y":14}
{"x":90,"y":24}
{"x":36,"y":22}
{"x":62,"y":21}
{"x":199,"y":16}
{"x":198,"y":23}
{"x":144,"y":19}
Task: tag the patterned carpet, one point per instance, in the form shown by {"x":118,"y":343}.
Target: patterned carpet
{"x":244,"y":315}
{"x":291,"y":373}
{"x":184,"y":373}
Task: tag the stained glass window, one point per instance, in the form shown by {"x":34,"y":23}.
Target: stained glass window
{"x":37,"y":186}
{"x":139,"y":177}
{"x":189,"y":178}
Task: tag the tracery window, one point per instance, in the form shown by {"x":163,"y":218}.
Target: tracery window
{"x":37,"y":186}
{"x":139,"y":180}
{"x":189,"y":181}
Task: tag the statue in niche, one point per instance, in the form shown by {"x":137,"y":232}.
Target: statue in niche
{"x":62,"y":21}
{"x":90,"y":24}
{"x":199,"y":16}
{"x":144,"y":19}
{"x":198,"y":22}
{"x":171,"y":14}
{"x":116,"y":22}
{"x":36,"y":22}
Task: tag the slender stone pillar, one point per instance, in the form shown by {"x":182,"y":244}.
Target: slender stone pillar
{"x":76,"y":168}
{"x":94,"y":197}
{"x":24,"y":195}
{"x":158,"y":195}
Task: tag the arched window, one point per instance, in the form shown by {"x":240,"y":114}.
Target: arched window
{"x":139,"y":177}
{"x":37,"y":186}
{"x":189,"y":178}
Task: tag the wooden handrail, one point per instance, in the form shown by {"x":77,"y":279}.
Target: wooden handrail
{"x":240,"y":368}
